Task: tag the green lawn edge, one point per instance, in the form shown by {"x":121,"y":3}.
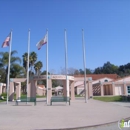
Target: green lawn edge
{"x":108,"y":98}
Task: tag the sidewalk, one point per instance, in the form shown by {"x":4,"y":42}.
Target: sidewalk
{"x":60,"y":115}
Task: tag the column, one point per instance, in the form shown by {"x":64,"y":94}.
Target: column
{"x":67,"y":89}
{"x":125,"y":90}
{"x":4,"y":90}
{"x":1,"y":85}
{"x":18,"y":90}
{"x":102,"y":89}
{"x":11,"y":91}
{"x":64,"y":88}
{"x":31,"y":90}
{"x":72,"y":91}
{"x":110,"y":88}
{"x":49,"y":92}
{"x":113,"y":88}
{"x":90,"y":90}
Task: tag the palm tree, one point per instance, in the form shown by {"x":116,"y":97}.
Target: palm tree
{"x":2,"y":75}
{"x":25,"y":60}
{"x":37,"y":67}
{"x":33,"y":59}
{"x":16,"y":71}
{"x":5,"y":59}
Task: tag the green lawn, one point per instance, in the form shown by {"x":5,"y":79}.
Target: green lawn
{"x":22,"y":95}
{"x":78,"y":96}
{"x":108,"y":98}
{"x":4,"y":95}
{"x":37,"y":96}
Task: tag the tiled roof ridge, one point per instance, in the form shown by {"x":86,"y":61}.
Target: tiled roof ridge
{"x":121,"y":78}
{"x":98,"y":76}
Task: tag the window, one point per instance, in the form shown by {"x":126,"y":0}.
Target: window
{"x":128,"y":90}
{"x":105,"y":80}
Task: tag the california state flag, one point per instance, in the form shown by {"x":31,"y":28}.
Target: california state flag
{"x":41,"y":42}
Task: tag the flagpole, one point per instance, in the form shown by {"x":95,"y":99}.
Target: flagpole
{"x":66,"y":61}
{"x":84,"y":62}
{"x":9,"y":66}
{"x":28,"y":62}
{"x":47,"y":65}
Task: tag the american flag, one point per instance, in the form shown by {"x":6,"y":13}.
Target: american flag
{"x":6,"y":41}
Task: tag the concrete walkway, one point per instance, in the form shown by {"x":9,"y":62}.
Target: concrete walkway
{"x":61,"y":115}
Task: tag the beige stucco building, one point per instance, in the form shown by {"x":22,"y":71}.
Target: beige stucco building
{"x":105,"y":86}
{"x":96,"y":85}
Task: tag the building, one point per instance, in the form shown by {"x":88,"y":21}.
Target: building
{"x":103,"y":84}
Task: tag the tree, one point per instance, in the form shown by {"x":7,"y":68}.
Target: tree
{"x":25,"y":60}
{"x":107,"y":68}
{"x":37,"y":67}
{"x":124,"y":70}
{"x":76,"y":72}
{"x":5,"y":59}
{"x":44,"y":73}
{"x":32,"y":60}
{"x":2,"y":75}
{"x":81,"y":71}
{"x":16,"y":71}
{"x":98,"y":70}
{"x":71,"y":71}
{"x":88,"y":71}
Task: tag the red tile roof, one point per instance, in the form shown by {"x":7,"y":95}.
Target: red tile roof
{"x":99,"y":76}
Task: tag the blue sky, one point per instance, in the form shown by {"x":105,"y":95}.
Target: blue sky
{"x":106,"y":25}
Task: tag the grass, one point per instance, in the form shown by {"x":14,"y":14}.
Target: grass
{"x":37,"y":96}
{"x":22,"y":96}
{"x":40,"y":96}
{"x":4,"y":95}
{"x":108,"y":98}
{"x":100,"y":98}
{"x":78,"y":96}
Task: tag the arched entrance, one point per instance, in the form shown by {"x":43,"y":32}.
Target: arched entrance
{"x":68,"y":89}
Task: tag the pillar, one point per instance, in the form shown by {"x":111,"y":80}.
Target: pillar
{"x":18,"y":90}
{"x":102,"y":89}
{"x":113,"y":88}
{"x":110,"y":86}
{"x":125,"y":90}
{"x":72,"y":91}
{"x":11,"y":91}
{"x":31,"y":90}
{"x":49,"y":91}
{"x":66,"y":88}
{"x":90,"y":90}
{"x":1,"y":85}
{"x":4,"y":90}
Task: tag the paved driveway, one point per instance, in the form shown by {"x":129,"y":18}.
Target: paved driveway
{"x":61,"y":115}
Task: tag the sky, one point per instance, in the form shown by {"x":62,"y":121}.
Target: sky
{"x":106,"y":25}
